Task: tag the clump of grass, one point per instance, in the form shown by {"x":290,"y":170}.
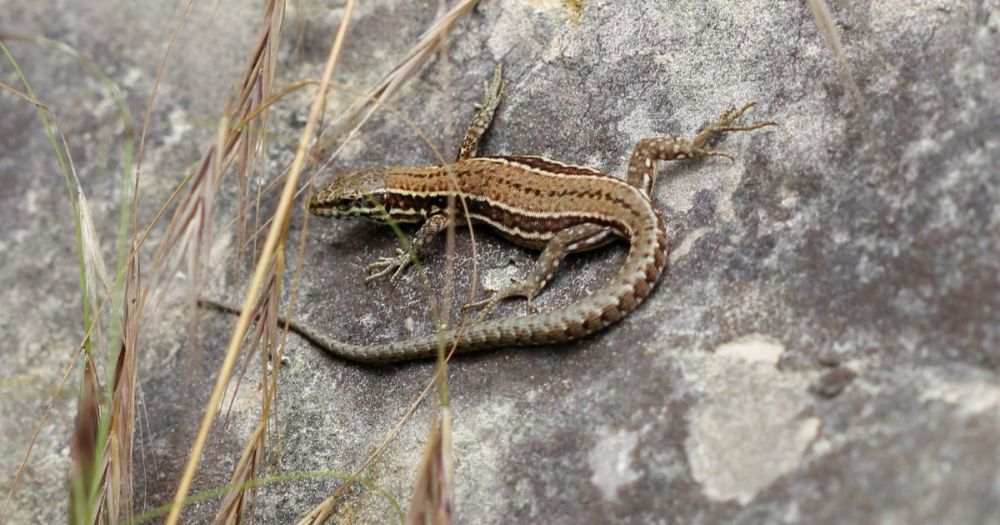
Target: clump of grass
{"x":100,"y":481}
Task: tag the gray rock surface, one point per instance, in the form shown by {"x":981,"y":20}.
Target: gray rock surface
{"x":823,"y":346}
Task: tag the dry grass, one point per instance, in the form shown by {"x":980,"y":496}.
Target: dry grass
{"x":433,"y":497}
{"x":269,"y":268}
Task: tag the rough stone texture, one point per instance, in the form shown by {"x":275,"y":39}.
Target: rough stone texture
{"x":822,"y":348}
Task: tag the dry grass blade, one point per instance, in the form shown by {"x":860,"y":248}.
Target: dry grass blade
{"x":253,"y":101}
{"x":824,"y":19}
{"x":189,"y":232}
{"x":239,"y":500}
{"x":84,"y":446}
{"x":886,"y":57}
{"x":97,"y":271}
{"x":115,"y":496}
{"x":434,"y":490}
{"x":103,"y":433}
{"x":429,"y":43}
{"x":272,"y":245}
{"x":188,"y":235}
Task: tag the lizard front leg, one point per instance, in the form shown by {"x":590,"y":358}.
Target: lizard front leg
{"x":574,"y":239}
{"x":418,"y":247}
{"x":492,"y":93}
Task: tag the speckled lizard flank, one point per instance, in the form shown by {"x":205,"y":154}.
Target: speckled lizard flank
{"x":534,"y":202}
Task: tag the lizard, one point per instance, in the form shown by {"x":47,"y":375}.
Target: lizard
{"x":535,"y":202}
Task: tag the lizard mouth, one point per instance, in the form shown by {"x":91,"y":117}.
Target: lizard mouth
{"x":357,"y":207}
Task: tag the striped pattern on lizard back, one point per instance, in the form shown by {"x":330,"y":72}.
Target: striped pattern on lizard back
{"x":529,"y":205}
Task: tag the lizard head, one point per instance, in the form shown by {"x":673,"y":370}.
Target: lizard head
{"x":356,"y":195}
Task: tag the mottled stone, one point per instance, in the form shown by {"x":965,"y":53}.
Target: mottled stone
{"x":823,"y":346}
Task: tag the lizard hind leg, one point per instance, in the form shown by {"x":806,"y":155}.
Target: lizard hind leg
{"x":642,"y":169}
{"x":574,"y":239}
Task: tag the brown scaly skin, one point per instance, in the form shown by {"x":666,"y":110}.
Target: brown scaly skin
{"x":534,"y":202}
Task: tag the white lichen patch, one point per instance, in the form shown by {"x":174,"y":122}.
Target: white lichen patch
{"x":756,"y":348}
{"x":180,"y":126}
{"x":495,"y":279}
{"x":687,"y":243}
{"x":678,"y":191}
{"x":611,"y":462}
{"x":748,"y":429}
{"x":971,"y":393}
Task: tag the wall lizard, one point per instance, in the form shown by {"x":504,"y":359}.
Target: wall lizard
{"x":534,"y":202}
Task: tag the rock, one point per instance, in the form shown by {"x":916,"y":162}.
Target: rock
{"x":865,"y":245}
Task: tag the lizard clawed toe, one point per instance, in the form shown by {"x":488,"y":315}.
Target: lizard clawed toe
{"x":716,"y":153}
{"x":731,"y":115}
{"x":486,"y":304}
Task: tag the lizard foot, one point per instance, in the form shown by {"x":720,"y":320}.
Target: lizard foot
{"x":725,"y":123}
{"x":386,"y":265}
{"x":517,"y":288}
